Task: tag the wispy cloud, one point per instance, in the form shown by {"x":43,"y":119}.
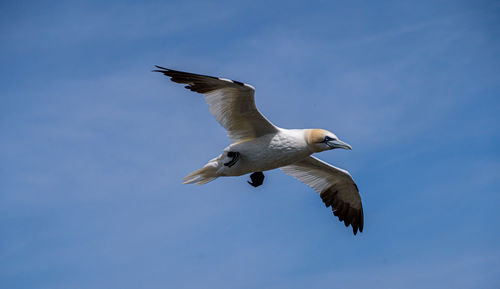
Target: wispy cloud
{"x":93,"y":145}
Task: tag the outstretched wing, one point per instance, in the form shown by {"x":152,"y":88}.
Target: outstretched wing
{"x":231,"y":102}
{"x":336,"y":187}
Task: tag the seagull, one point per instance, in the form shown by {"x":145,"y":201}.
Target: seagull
{"x":257,"y":145}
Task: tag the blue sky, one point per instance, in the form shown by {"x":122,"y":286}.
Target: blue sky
{"x":93,"y":145}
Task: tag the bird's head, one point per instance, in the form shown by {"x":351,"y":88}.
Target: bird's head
{"x":321,"y":140}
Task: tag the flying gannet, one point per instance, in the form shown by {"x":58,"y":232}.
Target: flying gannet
{"x":257,"y":145}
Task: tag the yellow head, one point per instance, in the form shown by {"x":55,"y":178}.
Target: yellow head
{"x":321,"y":140}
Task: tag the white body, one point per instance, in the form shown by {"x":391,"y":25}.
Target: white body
{"x":265,"y":153}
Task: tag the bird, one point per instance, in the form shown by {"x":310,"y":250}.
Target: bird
{"x":257,"y":145}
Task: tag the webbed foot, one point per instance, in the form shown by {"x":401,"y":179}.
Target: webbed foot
{"x":257,"y":179}
{"x":235,"y":156}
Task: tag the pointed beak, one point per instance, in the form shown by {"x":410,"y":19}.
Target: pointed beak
{"x":338,"y":144}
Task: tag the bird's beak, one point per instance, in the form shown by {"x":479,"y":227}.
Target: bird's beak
{"x":338,"y":144}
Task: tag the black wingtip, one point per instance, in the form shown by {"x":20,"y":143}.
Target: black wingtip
{"x":157,"y":66}
{"x":163,"y":69}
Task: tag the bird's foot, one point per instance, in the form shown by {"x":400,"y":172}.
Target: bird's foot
{"x":257,"y":179}
{"x":235,"y":156}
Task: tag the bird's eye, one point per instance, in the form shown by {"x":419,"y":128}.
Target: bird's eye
{"x":327,"y":138}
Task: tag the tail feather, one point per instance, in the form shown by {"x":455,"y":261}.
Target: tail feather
{"x":204,"y":175}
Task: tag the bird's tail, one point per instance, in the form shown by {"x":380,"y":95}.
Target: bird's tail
{"x":204,"y":175}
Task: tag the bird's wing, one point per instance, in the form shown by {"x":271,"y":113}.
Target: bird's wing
{"x":231,"y":102}
{"x":336,"y":187}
